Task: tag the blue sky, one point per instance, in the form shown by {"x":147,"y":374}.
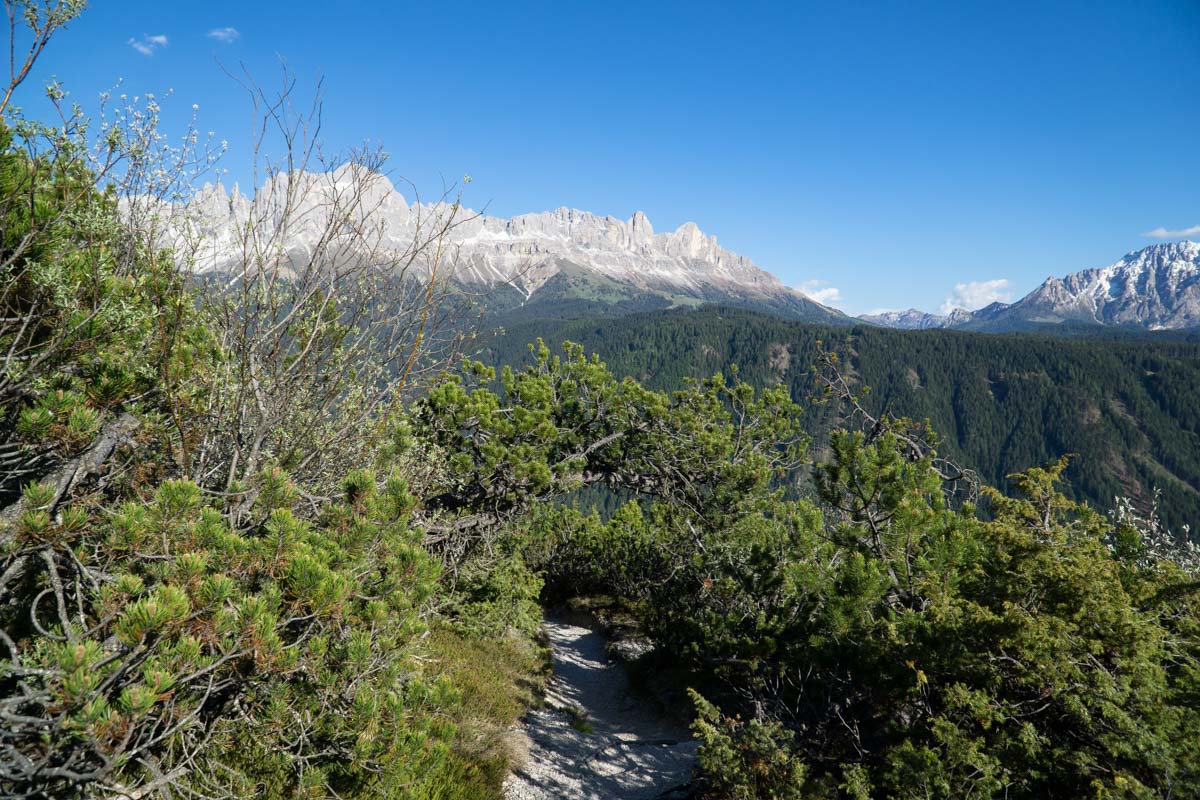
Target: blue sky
{"x":878,"y":154}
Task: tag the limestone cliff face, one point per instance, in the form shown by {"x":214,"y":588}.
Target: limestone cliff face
{"x":525,"y":251}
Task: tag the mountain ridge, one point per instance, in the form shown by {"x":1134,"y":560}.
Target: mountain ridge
{"x":1154,"y":288}
{"x":567,"y":255}
{"x":600,"y":254}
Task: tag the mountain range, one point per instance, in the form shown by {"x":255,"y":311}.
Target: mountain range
{"x":569,"y":259}
{"x":542,"y":259}
{"x":1156,"y":288}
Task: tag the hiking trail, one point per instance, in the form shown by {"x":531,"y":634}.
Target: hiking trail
{"x":597,"y":739}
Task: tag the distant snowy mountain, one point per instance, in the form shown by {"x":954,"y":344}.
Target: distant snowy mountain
{"x":1157,"y":288}
{"x":915,"y":320}
{"x":558,"y":255}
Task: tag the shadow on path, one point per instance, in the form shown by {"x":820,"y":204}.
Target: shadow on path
{"x":596,"y":739}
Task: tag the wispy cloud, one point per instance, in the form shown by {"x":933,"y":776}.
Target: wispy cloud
{"x":225,"y":35}
{"x":1182,"y":233}
{"x":822,"y":292}
{"x":977,"y":294}
{"x":148,"y":44}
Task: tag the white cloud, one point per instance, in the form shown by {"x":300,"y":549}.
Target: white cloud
{"x":225,"y":35}
{"x":1163,"y":233}
{"x":977,"y":294}
{"x":149,"y":43}
{"x":822,"y":292}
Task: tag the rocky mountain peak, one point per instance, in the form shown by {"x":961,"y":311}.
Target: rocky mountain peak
{"x":1157,"y":287}
{"x":526,"y":251}
{"x":640,"y":226}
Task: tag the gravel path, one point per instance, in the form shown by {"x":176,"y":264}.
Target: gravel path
{"x":619,"y":747}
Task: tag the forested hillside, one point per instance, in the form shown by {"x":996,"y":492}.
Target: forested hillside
{"x":1127,"y":405}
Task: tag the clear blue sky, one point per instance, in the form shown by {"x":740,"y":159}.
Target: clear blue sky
{"x":886,"y":150}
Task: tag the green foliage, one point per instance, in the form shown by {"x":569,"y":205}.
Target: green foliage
{"x":497,"y":596}
{"x":162,"y":638}
{"x":90,"y":319}
{"x":210,"y":601}
{"x":566,"y":422}
{"x":747,"y":759}
{"x":880,"y":640}
{"x":906,"y":649}
{"x":498,"y":679}
{"x":1002,"y":403}
{"x":314,"y":624}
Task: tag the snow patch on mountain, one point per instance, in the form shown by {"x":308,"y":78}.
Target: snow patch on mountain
{"x":1157,"y":288}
